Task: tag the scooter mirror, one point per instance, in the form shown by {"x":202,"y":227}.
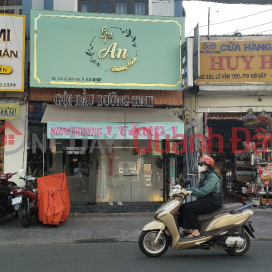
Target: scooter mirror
{"x":21,"y":170}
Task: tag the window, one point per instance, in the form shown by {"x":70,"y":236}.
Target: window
{"x":139,"y":8}
{"x":121,"y":8}
{"x":127,"y":176}
{"x":11,"y":9}
{"x":10,"y":2}
{"x":86,"y":8}
{"x":104,"y":7}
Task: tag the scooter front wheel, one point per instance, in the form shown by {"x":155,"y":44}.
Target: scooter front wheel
{"x":24,"y":214}
{"x":147,"y":245}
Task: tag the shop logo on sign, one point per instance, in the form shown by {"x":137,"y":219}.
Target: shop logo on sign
{"x":113,"y":51}
{"x":209,"y":47}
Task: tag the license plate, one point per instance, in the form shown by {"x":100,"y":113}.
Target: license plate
{"x":16,"y":200}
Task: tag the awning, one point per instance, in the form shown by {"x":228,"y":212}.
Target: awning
{"x":91,"y":122}
{"x":9,"y":108}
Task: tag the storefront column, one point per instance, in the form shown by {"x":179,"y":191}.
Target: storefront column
{"x":15,"y":156}
{"x":59,"y":157}
{"x":165,"y":189}
{"x":93,"y":176}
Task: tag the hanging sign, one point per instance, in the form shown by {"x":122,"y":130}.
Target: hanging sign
{"x":266,"y":175}
{"x":250,"y":121}
{"x":264,"y":119}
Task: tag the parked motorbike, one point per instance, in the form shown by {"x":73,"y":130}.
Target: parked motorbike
{"x":227,"y":228}
{"x":27,"y":199}
{"x":8,"y":203}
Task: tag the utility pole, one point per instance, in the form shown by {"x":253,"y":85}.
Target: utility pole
{"x":209,"y":24}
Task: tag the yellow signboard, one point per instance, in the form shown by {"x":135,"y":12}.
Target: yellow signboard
{"x":9,"y":111}
{"x":235,"y":62}
{"x":12,"y":52}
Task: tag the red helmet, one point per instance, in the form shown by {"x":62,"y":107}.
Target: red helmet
{"x":206,"y":160}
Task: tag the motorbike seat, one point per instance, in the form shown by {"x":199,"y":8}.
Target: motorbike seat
{"x":225,"y":208}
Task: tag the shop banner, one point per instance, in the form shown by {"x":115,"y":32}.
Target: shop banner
{"x":102,"y":131}
{"x":9,"y":111}
{"x":12,"y":52}
{"x":235,"y":62}
{"x":109,"y":51}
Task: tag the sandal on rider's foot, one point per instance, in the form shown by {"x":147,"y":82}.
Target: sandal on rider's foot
{"x":184,"y":233}
{"x":192,"y":236}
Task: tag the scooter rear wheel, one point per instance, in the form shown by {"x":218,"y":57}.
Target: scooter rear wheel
{"x":147,"y":245}
{"x":24,"y":214}
{"x":243,"y":250}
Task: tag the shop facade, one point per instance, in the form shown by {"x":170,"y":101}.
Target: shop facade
{"x":235,"y":86}
{"x":13,"y":106}
{"x":108,"y":122}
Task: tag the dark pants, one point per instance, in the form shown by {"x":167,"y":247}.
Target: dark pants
{"x":188,"y":211}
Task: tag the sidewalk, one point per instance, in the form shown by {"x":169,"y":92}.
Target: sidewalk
{"x":104,"y":227}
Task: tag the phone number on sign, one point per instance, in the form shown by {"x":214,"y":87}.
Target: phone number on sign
{"x":7,"y":85}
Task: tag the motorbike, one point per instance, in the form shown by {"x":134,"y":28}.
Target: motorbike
{"x":8,"y":203}
{"x":227,"y":228}
{"x":27,"y":199}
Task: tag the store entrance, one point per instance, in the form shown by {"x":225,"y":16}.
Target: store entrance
{"x":77,"y":161}
{"x":126,"y":176}
{"x":234,"y":168}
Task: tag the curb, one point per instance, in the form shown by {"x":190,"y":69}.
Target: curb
{"x":96,"y":241}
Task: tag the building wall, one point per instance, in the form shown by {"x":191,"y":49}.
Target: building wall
{"x":48,"y":4}
{"x":162,"y":8}
{"x":153,"y":7}
{"x":63,"y":5}
{"x":237,"y":103}
{"x":17,"y":158}
{"x":166,"y":8}
{"x":67,"y":5}
{"x":229,"y":97}
{"x":102,"y":6}
{"x":27,"y":5}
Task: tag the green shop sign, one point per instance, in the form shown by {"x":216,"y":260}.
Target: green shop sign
{"x":90,"y":50}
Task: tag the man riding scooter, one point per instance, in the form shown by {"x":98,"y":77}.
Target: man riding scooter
{"x":209,"y":198}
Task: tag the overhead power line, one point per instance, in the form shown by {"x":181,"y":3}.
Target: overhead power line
{"x":249,"y":27}
{"x":190,"y":33}
{"x":263,"y":31}
{"x":238,"y":18}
